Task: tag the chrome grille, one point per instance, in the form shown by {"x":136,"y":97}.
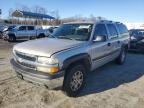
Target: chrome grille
{"x":27,"y":65}
{"x":25,"y":57}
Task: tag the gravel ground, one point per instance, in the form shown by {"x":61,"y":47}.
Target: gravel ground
{"x":111,"y":86}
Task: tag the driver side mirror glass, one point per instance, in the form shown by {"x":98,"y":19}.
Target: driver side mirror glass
{"x":99,"y":39}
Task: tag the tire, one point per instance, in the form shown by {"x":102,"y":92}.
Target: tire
{"x":11,"y":38}
{"x":76,"y":76}
{"x":121,"y":58}
{"x":41,"y":36}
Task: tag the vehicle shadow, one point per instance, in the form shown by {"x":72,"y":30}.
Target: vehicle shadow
{"x":112,"y":75}
{"x":19,"y":41}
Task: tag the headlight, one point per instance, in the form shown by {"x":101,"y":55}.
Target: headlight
{"x":48,"y":61}
{"x":52,"y":65}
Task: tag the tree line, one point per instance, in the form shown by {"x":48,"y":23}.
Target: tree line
{"x":39,"y":9}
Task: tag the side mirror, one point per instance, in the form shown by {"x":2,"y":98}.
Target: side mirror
{"x":100,"y":39}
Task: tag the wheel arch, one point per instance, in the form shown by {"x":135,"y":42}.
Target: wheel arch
{"x":12,"y":34}
{"x":82,"y":58}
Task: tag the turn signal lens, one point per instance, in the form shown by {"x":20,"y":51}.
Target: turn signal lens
{"x":51,"y":70}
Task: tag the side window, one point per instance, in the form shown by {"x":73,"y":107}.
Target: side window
{"x":125,"y":30}
{"x":100,"y":30}
{"x":30,"y":27}
{"x":112,"y":30}
{"x":22,"y":28}
{"x":122,"y":28}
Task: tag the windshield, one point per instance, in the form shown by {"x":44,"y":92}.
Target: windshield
{"x":137,"y":33}
{"x":79,"y":32}
{"x":11,"y":27}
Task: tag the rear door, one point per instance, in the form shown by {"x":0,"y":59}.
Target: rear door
{"x":31,"y":31}
{"x":124,"y":36}
{"x":113,"y":40}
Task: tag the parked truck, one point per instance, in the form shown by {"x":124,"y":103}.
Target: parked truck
{"x":25,"y":32}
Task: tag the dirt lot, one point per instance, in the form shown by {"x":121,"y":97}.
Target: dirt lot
{"x":111,"y":86}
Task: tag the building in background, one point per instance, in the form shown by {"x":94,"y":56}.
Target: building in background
{"x":135,"y":25}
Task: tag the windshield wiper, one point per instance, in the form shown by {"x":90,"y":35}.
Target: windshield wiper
{"x":64,"y":37}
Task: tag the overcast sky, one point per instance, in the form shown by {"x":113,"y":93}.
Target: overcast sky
{"x":117,"y":10}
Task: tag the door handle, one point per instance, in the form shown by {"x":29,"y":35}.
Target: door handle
{"x":109,"y":44}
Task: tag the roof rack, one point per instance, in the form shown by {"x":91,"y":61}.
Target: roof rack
{"x":104,"y":20}
{"x":110,"y":21}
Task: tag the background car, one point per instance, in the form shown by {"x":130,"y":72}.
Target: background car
{"x":136,"y":34}
{"x":2,"y":27}
{"x":137,"y":40}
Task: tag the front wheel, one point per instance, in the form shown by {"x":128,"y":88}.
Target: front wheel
{"x":11,"y":38}
{"x":121,"y":58}
{"x":75,"y":80}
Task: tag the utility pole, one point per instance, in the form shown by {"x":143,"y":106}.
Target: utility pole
{"x":0,"y":13}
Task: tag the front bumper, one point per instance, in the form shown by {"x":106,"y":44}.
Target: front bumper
{"x":33,"y":76}
{"x":5,"y":36}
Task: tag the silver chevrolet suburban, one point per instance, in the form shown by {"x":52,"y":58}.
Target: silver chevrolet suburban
{"x":74,"y":49}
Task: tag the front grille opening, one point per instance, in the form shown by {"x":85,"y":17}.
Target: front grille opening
{"x":27,"y":65}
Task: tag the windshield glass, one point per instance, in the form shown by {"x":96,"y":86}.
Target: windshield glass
{"x":79,"y":32}
{"x":11,"y":27}
{"x":137,"y":33}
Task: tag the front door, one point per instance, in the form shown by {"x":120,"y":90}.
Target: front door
{"x":22,"y":32}
{"x":100,"y":50}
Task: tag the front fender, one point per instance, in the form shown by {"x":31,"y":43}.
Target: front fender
{"x":76,"y":58}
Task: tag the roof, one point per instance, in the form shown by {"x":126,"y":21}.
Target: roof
{"x":80,"y":22}
{"x":19,"y":13}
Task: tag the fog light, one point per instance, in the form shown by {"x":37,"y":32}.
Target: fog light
{"x":48,"y":69}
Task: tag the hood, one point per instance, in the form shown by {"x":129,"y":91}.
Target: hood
{"x":46,"y":46}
